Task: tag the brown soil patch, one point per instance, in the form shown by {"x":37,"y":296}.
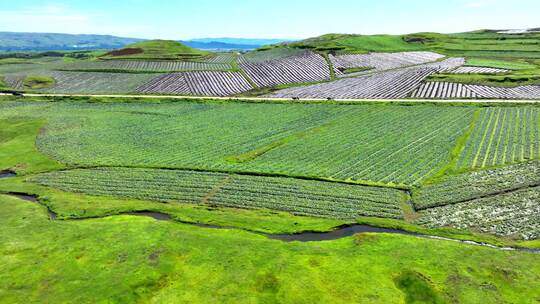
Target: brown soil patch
{"x":125,"y":52}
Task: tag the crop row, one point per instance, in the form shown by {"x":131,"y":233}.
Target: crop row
{"x":14,"y":81}
{"x":181,"y":134}
{"x":457,"y":90}
{"x":502,"y":136}
{"x":515,"y":214}
{"x":205,"y":83}
{"x":390,"y":145}
{"x":476,"y":184}
{"x":383,"y":61}
{"x":443,"y":90}
{"x":303,"y":197}
{"x":477,"y":70}
{"x":301,"y":68}
{"x":96,"y":82}
{"x":223,"y":58}
{"x":382,"y":85}
{"x":391,"y":84}
{"x":145,"y":66}
{"x":269,"y":55}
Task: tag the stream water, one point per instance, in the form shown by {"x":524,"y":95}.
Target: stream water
{"x":7,"y":174}
{"x":340,"y":232}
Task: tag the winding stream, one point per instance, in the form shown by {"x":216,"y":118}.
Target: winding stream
{"x":7,"y":174}
{"x":338,"y":233}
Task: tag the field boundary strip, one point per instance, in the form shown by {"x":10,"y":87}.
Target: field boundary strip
{"x":300,"y":100}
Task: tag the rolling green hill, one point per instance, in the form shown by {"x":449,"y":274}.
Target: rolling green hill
{"x":157,"y":50}
{"x":484,"y":43}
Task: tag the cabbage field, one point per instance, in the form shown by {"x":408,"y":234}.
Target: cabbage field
{"x":301,"y":197}
{"x":464,"y":166}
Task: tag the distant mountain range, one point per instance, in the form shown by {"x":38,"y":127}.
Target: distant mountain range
{"x":17,"y":42}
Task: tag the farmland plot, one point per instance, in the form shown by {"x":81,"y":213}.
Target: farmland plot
{"x":223,"y":58}
{"x":478,"y":70}
{"x":198,"y":83}
{"x":472,"y":185}
{"x":456,"y":90}
{"x":515,"y":214}
{"x":391,"y":146}
{"x":14,"y":81}
{"x":302,"y":197}
{"x":96,"y":82}
{"x":443,"y":90}
{"x":269,"y":55}
{"x":301,"y":68}
{"x":384,"y":85}
{"x":383,"y":61}
{"x":367,"y":144}
{"x":503,"y":136}
{"x":145,"y":66}
{"x":383,"y":145}
{"x":176,"y":135}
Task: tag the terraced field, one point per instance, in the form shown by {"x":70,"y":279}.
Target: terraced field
{"x":207,"y":83}
{"x":392,"y":84}
{"x":383,"y":61}
{"x":438,"y":89}
{"x":300,"y":68}
{"x":269,"y":55}
{"x":97,"y":82}
{"x":478,"y":70}
{"x":149,"y":66}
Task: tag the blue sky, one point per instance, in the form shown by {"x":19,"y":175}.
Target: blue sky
{"x":263,"y":19}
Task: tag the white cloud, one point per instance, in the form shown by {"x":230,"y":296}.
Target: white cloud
{"x":62,"y":19}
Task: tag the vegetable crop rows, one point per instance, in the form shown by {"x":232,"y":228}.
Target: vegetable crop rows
{"x":503,"y":136}
{"x":391,"y":144}
{"x":96,"y":82}
{"x":515,"y":214}
{"x":145,"y":66}
{"x":457,"y":90}
{"x":14,"y":81}
{"x":315,"y":198}
{"x":386,"y":146}
{"x":383,"y":61}
{"x":390,"y":84}
{"x":382,"y":85}
{"x":223,"y":58}
{"x":477,"y":70}
{"x":208,"y":83}
{"x":443,"y":90}
{"x":472,"y":185}
{"x":305,"y":67}
{"x":268,"y":55}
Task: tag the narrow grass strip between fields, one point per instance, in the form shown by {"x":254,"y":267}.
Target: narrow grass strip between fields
{"x":330,"y":65}
{"x":253,"y":154}
{"x":235,"y":67}
{"x":458,"y":149}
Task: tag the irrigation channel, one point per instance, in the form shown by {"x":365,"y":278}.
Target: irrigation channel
{"x":338,"y":233}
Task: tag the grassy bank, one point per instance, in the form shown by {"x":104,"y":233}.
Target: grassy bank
{"x":149,"y":261}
